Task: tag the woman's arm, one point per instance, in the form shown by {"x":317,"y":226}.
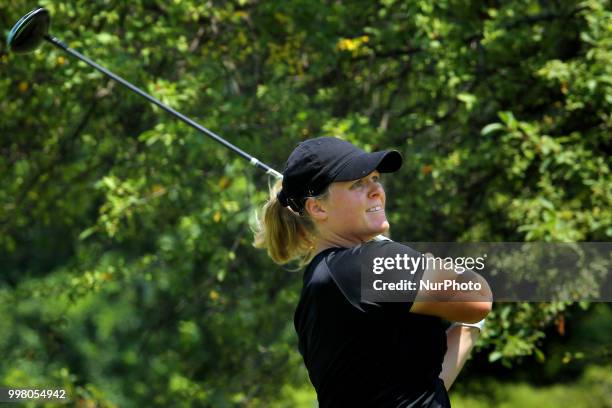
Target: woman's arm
{"x":453,"y":305}
{"x":459,"y":343}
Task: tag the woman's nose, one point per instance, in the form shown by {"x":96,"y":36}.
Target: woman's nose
{"x":375,"y":189}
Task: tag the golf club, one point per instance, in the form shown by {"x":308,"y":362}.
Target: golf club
{"x":30,"y":31}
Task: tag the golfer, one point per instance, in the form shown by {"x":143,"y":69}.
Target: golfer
{"x":327,"y":215}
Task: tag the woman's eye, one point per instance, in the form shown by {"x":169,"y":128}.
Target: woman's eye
{"x":361,"y":183}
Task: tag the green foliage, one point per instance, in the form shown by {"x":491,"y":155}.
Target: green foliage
{"x":591,"y":390}
{"x":127,"y":272}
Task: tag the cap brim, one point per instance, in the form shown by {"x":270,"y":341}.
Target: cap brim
{"x":363,"y":164}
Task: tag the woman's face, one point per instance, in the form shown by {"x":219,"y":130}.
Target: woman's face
{"x":355,"y":210}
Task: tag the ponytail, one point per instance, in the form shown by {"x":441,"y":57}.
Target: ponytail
{"x":285,"y":234}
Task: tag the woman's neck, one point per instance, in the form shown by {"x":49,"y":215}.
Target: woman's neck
{"x":323,"y":243}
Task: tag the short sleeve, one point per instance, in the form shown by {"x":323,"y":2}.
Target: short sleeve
{"x":357,"y":273}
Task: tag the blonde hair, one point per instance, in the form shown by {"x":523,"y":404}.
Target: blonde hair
{"x":286,"y":235}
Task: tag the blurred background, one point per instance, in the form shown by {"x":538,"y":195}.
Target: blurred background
{"x":127,"y":273}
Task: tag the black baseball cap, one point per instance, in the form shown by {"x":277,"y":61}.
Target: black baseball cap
{"x":315,"y":163}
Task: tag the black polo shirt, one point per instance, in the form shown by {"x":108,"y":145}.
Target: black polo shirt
{"x":366,"y":354}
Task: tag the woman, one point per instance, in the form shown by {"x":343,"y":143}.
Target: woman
{"x":327,"y":214}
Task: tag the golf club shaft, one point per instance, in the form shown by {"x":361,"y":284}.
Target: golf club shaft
{"x":269,"y":170}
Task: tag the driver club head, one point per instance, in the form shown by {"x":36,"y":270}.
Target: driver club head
{"x":31,"y":29}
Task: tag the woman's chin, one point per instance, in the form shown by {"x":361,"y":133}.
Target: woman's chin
{"x":385,"y":227}
{"x":382,"y":227}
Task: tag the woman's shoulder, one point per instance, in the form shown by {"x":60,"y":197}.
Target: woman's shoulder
{"x":340,"y":262}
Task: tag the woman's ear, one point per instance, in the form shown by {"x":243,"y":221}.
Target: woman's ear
{"x":315,"y":209}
